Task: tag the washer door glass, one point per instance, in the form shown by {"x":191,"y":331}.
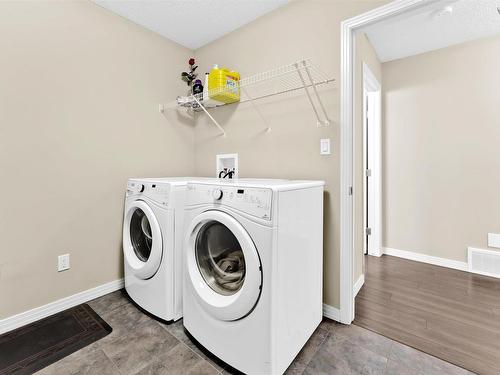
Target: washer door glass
{"x":223,"y":269}
{"x":141,"y":235}
{"x":142,"y":239}
{"x":220,"y":258}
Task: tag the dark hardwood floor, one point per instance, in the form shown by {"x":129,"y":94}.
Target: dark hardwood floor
{"x":449,"y":314}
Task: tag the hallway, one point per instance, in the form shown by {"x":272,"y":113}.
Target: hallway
{"x":449,"y":314}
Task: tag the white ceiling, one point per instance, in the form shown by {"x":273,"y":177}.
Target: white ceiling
{"x":424,"y":29}
{"x":191,"y":23}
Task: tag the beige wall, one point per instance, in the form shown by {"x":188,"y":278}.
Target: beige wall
{"x":291,"y":150}
{"x":441,"y":157}
{"x":365,"y":54}
{"x":79,"y":98}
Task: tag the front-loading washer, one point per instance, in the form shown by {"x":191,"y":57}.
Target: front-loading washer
{"x":152,"y":244}
{"x":253,"y":269}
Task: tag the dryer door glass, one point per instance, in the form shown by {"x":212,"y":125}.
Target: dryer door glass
{"x":141,"y":235}
{"x":220,"y":259}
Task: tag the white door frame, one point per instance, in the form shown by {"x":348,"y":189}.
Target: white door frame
{"x":372,"y":141}
{"x":348,"y":28}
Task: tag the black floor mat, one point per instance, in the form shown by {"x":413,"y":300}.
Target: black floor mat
{"x":37,"y":345}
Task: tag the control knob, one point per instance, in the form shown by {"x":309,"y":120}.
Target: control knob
{"x":217,"y":194}
{"x":139,"y":188}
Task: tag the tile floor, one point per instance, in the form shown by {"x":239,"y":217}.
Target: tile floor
{"x":141,"y":345}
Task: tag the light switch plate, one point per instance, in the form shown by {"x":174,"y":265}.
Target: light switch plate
{"x":324,"y":146}
{"x":62,"y":262}
{"x":494,"y":240}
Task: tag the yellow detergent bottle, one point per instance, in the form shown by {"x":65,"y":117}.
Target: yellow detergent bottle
{"x":224,"y":85}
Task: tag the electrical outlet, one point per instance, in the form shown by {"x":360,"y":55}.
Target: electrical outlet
{"x":62,"y":262}
{"x":494,"y":240}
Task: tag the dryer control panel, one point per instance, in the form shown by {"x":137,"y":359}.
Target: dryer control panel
{"x":253,"y":201}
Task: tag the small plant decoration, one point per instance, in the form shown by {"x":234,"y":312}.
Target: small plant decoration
{"x":190,"y":76}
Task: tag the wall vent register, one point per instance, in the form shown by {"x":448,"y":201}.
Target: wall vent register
{"x":484,"y":262}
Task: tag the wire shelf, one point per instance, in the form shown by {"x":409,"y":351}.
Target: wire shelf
{"x":301,"y":75}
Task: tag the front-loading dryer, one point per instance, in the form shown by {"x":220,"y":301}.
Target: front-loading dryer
{"x":152,"y":244}
{"x":253,"y":269}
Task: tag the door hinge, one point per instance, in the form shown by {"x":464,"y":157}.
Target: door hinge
{"x":368,"y":173}
{"x":368,"y":231}
{"x":350,"y":190}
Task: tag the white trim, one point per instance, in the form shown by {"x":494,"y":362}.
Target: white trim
{"x":359,"y":284}
{"x":346,"y":143}
{"x":21,"y":319}
{"x":369,"y":78}
{"x":418,"y":257}
{"x":331,"y":312}
{"x":482,"y":251}
{"x":346,"y":172}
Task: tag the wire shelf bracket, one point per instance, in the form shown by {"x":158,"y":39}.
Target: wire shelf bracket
{"x":223,"y":132}
{"x":300,"y":75}
{"x":320,"y":122}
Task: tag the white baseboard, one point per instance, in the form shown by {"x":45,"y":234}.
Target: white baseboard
{"x":19,"y":320}
{"x":331,"y":312}
{"x":418,"y":257}
{"x":377,"y":253}
{"x":359,"y":284}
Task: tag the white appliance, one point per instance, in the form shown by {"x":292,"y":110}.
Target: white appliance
{"x":152,"y":244}
{"x":253,"y":269}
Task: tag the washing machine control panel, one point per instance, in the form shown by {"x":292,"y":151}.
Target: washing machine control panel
{"x":252,"y":201}
{"x":157,"y":192}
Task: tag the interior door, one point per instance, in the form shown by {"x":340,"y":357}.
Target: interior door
{"x":368,"y":172}
{"x":372,"y":174}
